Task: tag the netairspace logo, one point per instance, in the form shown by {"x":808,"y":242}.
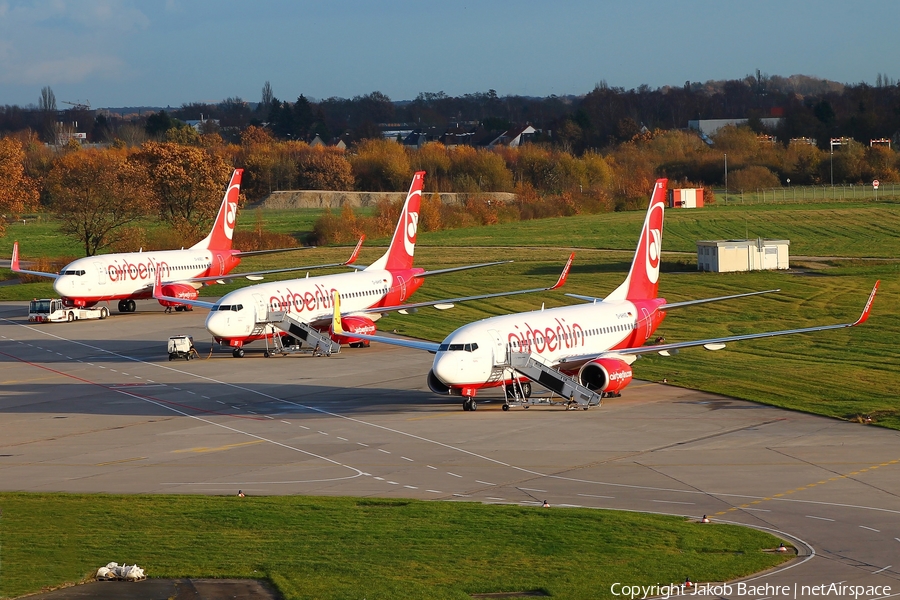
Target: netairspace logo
{"x":762,"y":590}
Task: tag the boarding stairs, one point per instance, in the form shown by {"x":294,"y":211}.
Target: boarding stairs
{"x":534,"y":368}
{"x":306,"y":335}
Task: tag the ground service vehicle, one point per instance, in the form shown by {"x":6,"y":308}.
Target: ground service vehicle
{"x":54,"y":310}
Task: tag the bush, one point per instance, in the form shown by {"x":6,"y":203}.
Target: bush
{"x":752,"y":178}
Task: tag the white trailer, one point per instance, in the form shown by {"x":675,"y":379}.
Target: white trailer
{"x":54,"y":310}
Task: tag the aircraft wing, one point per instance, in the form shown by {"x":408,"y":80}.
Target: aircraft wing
{"x":339,"y":330}
{"x":680,"y":304}
{"x":14,"y":265}
{"x":257,"y":275}
{"x":449,"y":302}
{"x":463,"y":268}
{"x":719,"y":343}
{"x":158,"y":295}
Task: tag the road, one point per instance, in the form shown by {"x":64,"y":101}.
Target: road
{"x":97,"y":407}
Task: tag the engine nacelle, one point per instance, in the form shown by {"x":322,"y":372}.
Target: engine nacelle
{"x":609,"y":375}
{"x":439,"y":387}
{"x":362,"y":325}
{"x":177,"y":290}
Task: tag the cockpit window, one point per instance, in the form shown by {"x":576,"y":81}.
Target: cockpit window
{"x":76,"y":272}
{"x":231,"y":307}
{"x":457,"y":347}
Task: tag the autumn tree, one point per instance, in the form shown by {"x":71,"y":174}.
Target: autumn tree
{"x":324,"y":169}
{"x":381,"y":166}
{"x":186,"y":184}
{"x":94,"y":193}
{"x":19,"y":191}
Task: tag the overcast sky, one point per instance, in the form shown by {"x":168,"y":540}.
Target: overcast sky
{"x":168,"y":52}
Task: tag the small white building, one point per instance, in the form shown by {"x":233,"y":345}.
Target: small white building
{"x":725,"y":256}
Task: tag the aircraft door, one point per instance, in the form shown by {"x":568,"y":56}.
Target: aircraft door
{"x":500,"y":347}
{"x":101,"y":273}
{"x":262,"y":309}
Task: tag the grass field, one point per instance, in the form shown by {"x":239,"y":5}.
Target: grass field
{"x":845,"y":374}
{"x":341,"y":548}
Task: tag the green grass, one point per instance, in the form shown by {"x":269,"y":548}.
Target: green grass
{"x":842,"y":374}
{"x":312,"y":547}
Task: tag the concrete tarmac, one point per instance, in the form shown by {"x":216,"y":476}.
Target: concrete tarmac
{"x":98,"y":407}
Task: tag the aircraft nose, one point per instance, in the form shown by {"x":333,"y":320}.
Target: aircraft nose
{"x":446,"y":367}
{"x":63,"y":286}
{"x":217,"y":324}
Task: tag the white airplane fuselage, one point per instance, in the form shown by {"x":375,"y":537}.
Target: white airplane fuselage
{"x":236,"y":316}
{"x":93,"y":279}
{"x":468,"y":357}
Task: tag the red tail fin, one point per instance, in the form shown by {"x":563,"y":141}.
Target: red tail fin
{"x":642,"y":282}
{"x":223,"y":228}
{"x":14,"y":261}
{"x":403,"y":245}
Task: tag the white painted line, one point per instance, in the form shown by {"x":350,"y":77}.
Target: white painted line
{"x":383,"y":450}
{"x":462,"y":495}
{"x":220,"y":402}
{"x":530,"y":502}
{"x":412,"y":487}
{"x":205,"y":397}
{"x":393,"y":483}
{"x":434,"y":491}
{"x":454,"y":474}
{"x":570,"y":505}
{"x":871,"y":529}
{"x":757,"y":509}
{"x":102,"y":367}
{"x":671,"y":502}
{"x":898,"y":539}
{"x":138,"y":377}
{"x":190,"y":392}
{"x":595,"y":496}
{"x":489,"y":498}
{"x":430,"y":467}
{"x":533,"y":490}
{"x":268,"y":417}
{"x":485,"y":482}
{"x":303,"y":426}
{"x":252,"y":413}
{"x":59,"y":354}
{"x":69,"y":357}
{"x":323,"y":433}
{"x":151,"y":381}
{"x":880,"y":570}
{"x":819,"y":518}
{"x":379,"y":478}
{"x":113,"y":370}
{"x":364,"y":445}
{"x":124,"y":373}
{"x":409,"y":459}
{"x":340,"y":438}
{"x":285,"y":422}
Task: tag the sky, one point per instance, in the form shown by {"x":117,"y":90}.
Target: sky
{"x":114,"y":53}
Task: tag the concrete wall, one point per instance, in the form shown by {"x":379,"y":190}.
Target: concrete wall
{"x":320,"y":199}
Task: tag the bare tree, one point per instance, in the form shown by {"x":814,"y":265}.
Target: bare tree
{"x":267,"y":97}
{"x":47,"y":103}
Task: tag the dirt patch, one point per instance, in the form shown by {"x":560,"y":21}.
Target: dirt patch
{"x":165,"y":589}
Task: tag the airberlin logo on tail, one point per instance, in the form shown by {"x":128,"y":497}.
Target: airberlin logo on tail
{"x":230,"y":217}
{"x":411,"y":226}
{"x":653,"y":243}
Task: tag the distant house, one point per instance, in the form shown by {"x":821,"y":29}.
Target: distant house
{"x":708,"y":127}
{"x":724,"y":256}
{"x":335,"y":143}
{"x":198,"y":124}
{"x":514,"y":137}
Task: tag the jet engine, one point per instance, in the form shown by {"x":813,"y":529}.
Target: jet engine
{"x":608,"y":375}
{"x":177,"y":290}
{"x":350,"y":325}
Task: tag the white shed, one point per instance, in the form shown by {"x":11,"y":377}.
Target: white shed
{"x":723,"y":256}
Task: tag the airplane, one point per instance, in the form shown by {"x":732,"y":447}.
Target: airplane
{"x":582,"y":351}
{"x":129,"y":276}
{"x":303,"y":306}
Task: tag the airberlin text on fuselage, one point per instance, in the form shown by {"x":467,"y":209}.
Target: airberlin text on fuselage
{"x":124,"y":270}
{"x":320,"y":299}
{"x":548,"y":339}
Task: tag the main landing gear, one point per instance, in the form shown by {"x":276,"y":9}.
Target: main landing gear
{"x":469,"y":403}
{"x":126,"y":306}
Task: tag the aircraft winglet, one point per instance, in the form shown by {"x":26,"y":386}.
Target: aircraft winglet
{"x":14,"y":262}
{"x":336,"y":316}
{"x":565,"y":273}
{"x":868,"y":309}
{"x":14,"y":265}
{"x":355,"y":254}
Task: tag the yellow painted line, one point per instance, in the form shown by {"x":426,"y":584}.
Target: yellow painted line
{"x":124,"y":460}
{"x":203,"y":449}
{"x":808,"y":485}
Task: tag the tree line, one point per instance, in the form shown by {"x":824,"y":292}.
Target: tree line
{"x":809,"y":107}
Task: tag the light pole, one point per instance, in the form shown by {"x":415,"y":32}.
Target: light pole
{"x":726,"y":178}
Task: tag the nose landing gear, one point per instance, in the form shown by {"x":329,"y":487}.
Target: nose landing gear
{"x":469,"y":403}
